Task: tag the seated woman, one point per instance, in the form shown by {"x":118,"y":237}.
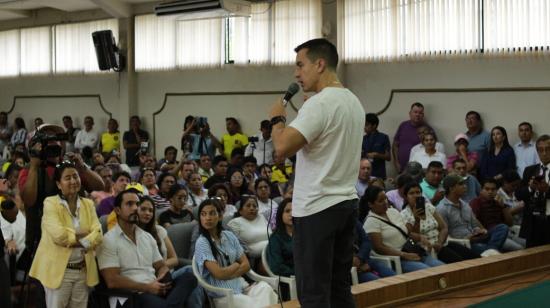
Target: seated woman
{"x":279,"y":249}
{"x":266,"y":172}
{"x":221,"y":261}
{"x":250,"y":227}
{"x":427,"y":222}
{"x":148,"y":178}
{"x":164,"y":182}
{"x":395,"y":196}
{"x":387,"y":239}
{"x":266,"y":206}
{"x":429,"y":153}
{"x":237,"y":185}
{"x":65,"y":260}
{"x":221,"y":191}
{"x":367,"y":269}
{"x":146,"y":215}
{"x":177,"y":213}
{"x":197,"y":193}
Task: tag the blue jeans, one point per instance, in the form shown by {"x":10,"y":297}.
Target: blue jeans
{"x":495,"y":239}
{"x":381,"y":268}
{"x":182,"y":286}
{"x":196,"y":298}
{"x":426,"y":262}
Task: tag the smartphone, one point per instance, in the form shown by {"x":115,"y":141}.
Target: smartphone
{"x":421,"y":203}
{"x":167,"y":278}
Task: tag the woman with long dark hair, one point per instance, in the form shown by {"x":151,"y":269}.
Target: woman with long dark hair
{"x":177,"y":213}
{"x":221,"y":261}
{"x":146,"y":214}
{"x":19,"y":132}
{"x":499,"y":157}
{"x":237,"y":185}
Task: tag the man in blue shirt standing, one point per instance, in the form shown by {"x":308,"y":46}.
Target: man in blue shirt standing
{"x":376,"y":146}
{"x":478,"y":137}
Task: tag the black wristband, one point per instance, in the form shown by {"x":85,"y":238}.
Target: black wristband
{"x":278,"y":119}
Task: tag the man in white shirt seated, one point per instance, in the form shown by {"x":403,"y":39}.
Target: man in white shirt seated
{"x":421,"y":131}
{"x":13,"y":225}
{"x":129,"y":258}
{"x":87,"y":137}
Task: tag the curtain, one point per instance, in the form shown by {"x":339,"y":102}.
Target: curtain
{"x":9,"y":53}
{"x":199,"y":43}
{"x":74,"y":47}
{"x":36,"y":51}
{"x":155,"y":43}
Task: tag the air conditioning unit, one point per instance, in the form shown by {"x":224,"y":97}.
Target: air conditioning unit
{"x":203,"y":9}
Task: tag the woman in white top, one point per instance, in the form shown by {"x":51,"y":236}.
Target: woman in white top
{"x":387,"y":239}
{"x":430,"y":224}
{"x":266,"y":206}
{"x":222,"y":192}
{"x":250,"y":227}
{"x":197,"y":193}
{"x":429,"y":153}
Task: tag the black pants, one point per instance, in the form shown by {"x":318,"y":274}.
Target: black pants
{"x":455,"y":252}
{"x":323,"y":253}
{"x":5,"y":285}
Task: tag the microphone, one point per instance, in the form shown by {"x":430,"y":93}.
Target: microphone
{"x":293,"y":88}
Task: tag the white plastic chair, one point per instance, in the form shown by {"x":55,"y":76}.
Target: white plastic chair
{"x":228,"y":293}
{"x":514,"y":232}
{"x":291,"y":281}
{"x":393,"y":262}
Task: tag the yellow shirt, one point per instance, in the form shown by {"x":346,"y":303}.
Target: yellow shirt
{"x":5,"y":166}
{"x":278,"y":175}
{"x":110,"y":142}
{"x":231,"y":142}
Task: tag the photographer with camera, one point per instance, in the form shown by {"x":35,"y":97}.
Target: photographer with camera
{"x":135,"y":141}
{"x":536,"y":196}
{"x":197,"y":139}
{"x":261,"y":145}
{"x":37,"y":181}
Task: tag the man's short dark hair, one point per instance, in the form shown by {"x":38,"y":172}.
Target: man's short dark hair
{"x":478,"y":116}
{"x":320,"y":49}
{"x":458,"y":161}
{"x":372,"y":119}
{"x":121,"y":173}
{"x":489,"y":181}
{"x":542,"y":138}
{"x":7,"y":205}
{"x":170,"y":148}
{"x":237,"y":151}
{"x":135,"y":117}
{"x":526,"y":123}
{"x":218,"y":159}
{"x":250,"y":159}
{"x":435,"y":164}
{"x":265,"y":124}
{"x":510,"y":176}
{"x":67,"y":117}
{"x":417,"y":105}
{"x":120,"y":196}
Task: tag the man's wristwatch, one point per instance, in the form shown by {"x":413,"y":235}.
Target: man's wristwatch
{"x":278,"y":119}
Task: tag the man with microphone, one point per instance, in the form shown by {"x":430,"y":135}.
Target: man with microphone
{"x":326,"y":136}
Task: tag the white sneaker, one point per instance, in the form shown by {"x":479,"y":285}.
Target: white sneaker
{"x":490,"y":252}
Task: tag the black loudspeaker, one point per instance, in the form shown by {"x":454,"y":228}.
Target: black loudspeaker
{"x":106,"y":51}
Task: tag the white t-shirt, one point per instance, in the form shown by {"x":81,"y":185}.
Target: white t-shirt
{"x":15,"y":231}
{"x":420,"y":147}
{"x":332,"y":122}
{"x":86,"y":139}
{"x":424,"y":159}
{"x":391,"y":237}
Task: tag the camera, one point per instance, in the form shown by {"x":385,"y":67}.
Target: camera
{"x":52,"y":150}
{"x":144,"y":147}
{"x":253,"y":139}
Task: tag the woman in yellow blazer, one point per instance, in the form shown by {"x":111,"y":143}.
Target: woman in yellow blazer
{"x":65,"y":262}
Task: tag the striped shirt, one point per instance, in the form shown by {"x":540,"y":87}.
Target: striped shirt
{"x":229,"y":251}
{"x":18,"y":137}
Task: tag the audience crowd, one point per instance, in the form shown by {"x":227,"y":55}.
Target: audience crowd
{"x":75,"y":216}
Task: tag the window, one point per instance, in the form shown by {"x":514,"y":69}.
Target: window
{"x":9,"y":53}
{"x":268,"y":36}
{"x":74,"y":48}
{"x":384,"y":30}
{"x":36,"y":51}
